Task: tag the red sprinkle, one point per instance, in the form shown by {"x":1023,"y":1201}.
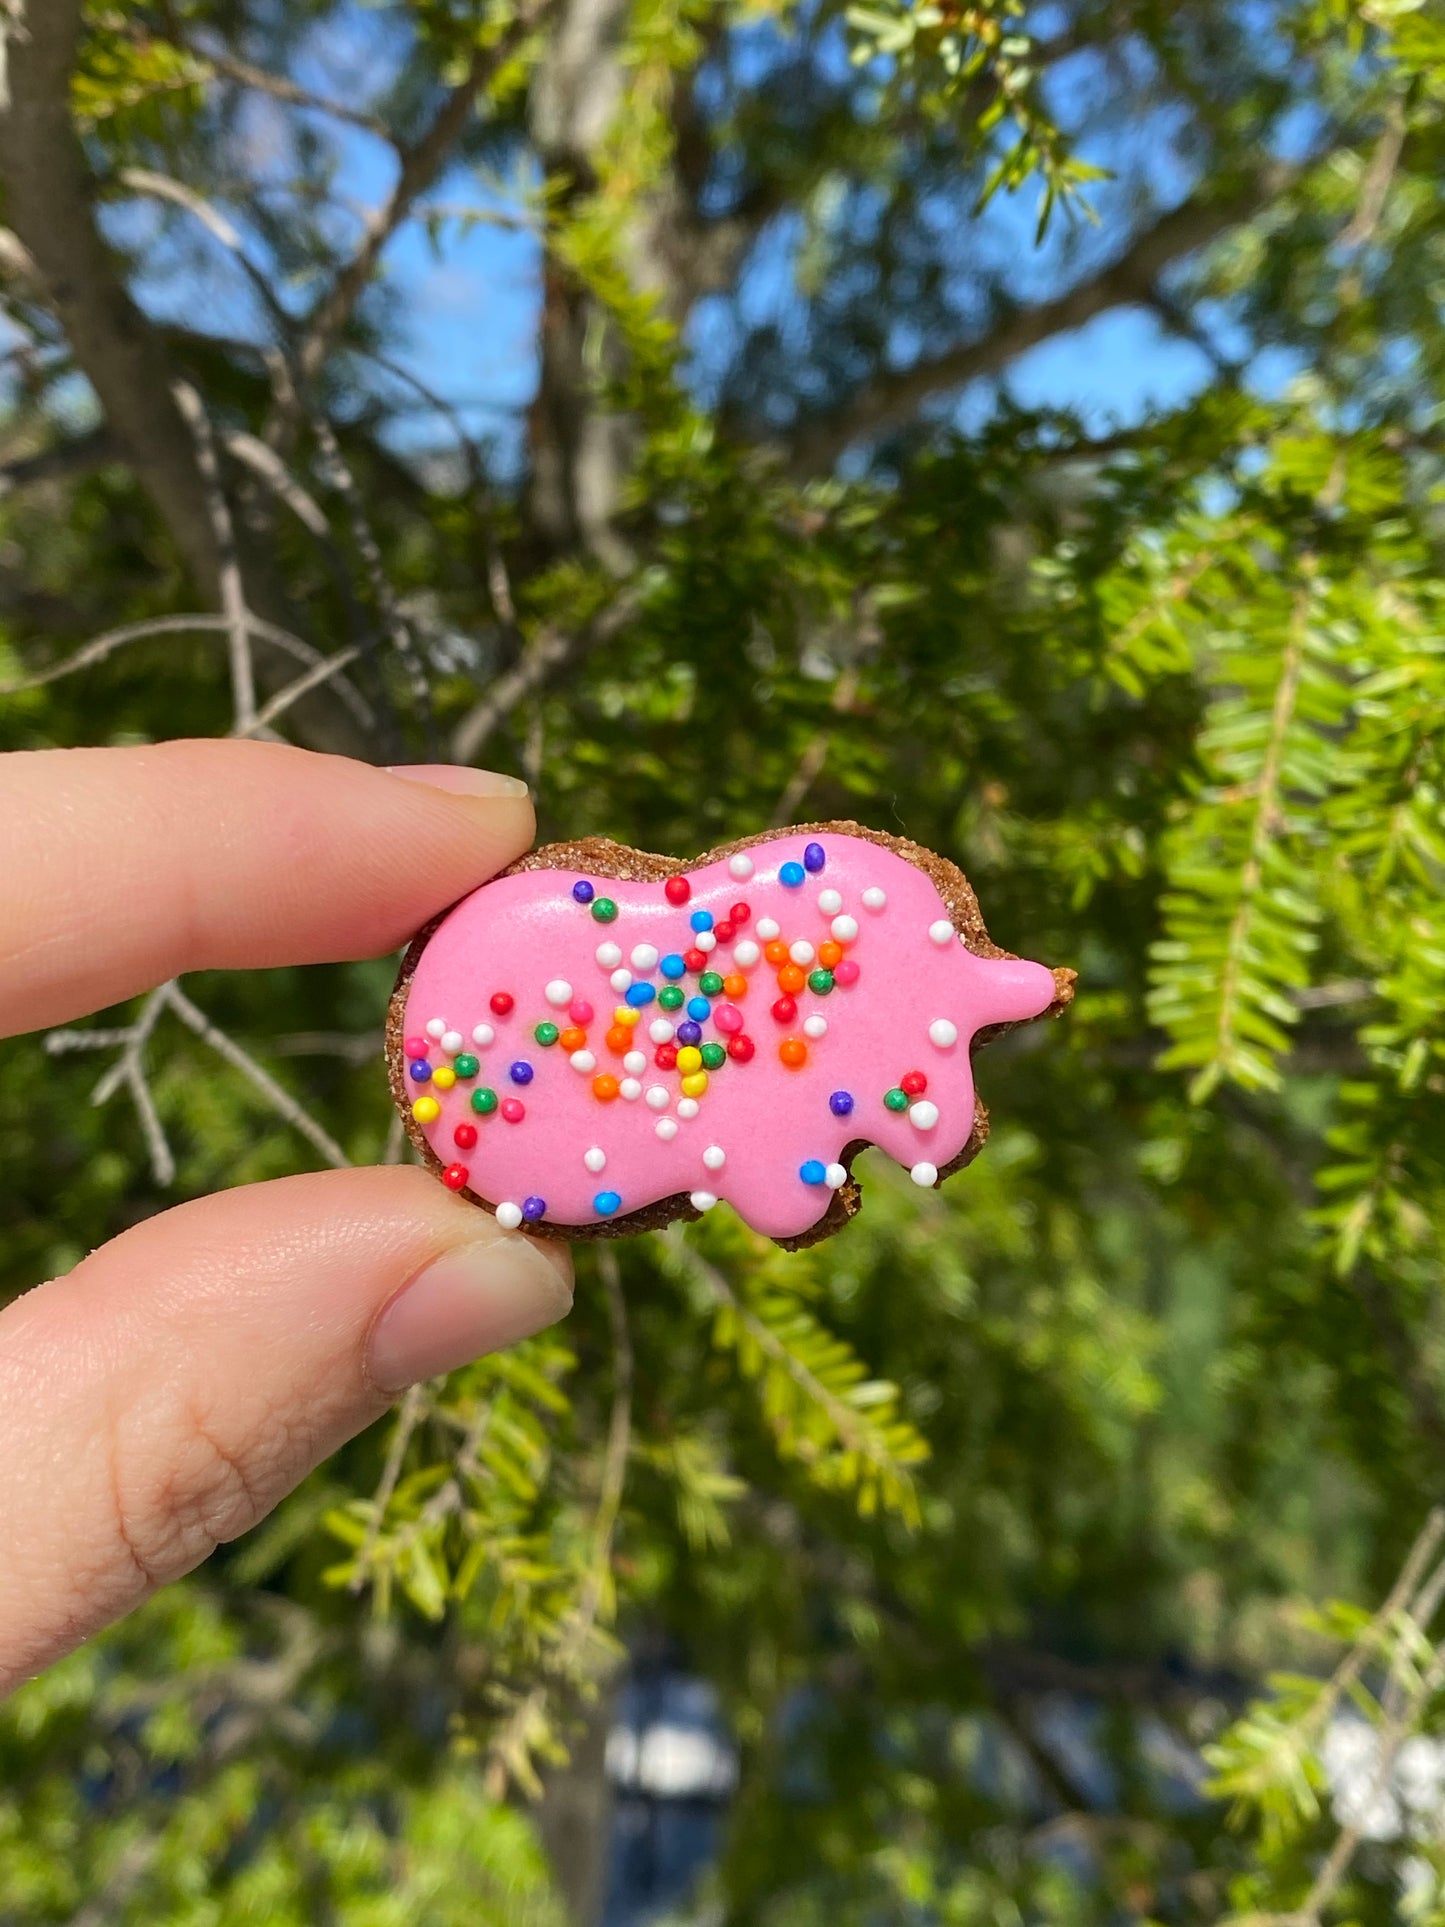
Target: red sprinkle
{"x":695,"y":959}
{"x":666,"y":1057}
{"x":455,"y":1176}
{"x":465,"y":1136}
{"x":502,"y":1001}
{"x":580,"y":1011}
{"x":914,"y":1082}
{"x":417,"y":1047}
{"x":724,"y":932}
{"x":785,"y":1010}
{"x":677,"y":889}
{"x":740,"y":1048}
{"x":513,"y":1109}
{"x":739,"y":913}
{"x":846,"y":972}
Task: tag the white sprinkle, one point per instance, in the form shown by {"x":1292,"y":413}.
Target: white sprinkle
{"x":875,"y":899}
{"x":609,"y":955}
{"x":845,"y":929}
{"x":666,"y":1129}
{"x":705,"y":940}
{"x":658,"y":1097}
{"x":740,"y":865}
{"x":558,"y":993}
{"x":802,"y":952}
{"x":687,"y":1107}
{"x":644,"y":958}
{"x":660,"y":1031}
{"x":635,"y":1062}
{"x":923,"y":1115}
{"x":437,"y":1027}
{"x":830,"y":902}
{"x":940,"y":932}
{"x":484,"y":1035}
{"x":815,"y":1027}
{"x":582,"y":1060}
{"x":714,"y":1157}
{"x":943,"y":1033}
{"x":630,"y":1089}
{"x":924,"y":1174}
{"x":509,"y":1216}
{"x":452,"y":1042}
{"x":837,"y":1175}
{"x":767,"y":929}
{"x":620,"y":980}
{"x":595,"y":1159}
{"x":702,"y":1200}
{"x":746,"y":954}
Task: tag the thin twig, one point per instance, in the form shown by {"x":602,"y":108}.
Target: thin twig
{"x":280,"y":1100}
{"x":279,"y":87}
{"x":410,"y":1413}
{"x":233,"y":593}
{"x":302,"y":686}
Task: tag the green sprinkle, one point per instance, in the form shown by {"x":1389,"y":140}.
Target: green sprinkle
{"x":821,"y":981}
{"x":546,"y":1033}
{"x":604,"y":909}
{"x":485,"y":1101}
{"x":710,"y":984}
{"x":467,"y":1065}
{"x":713,"y":1057}
{"x":896,"y":1100}
{"x":671,"y":997}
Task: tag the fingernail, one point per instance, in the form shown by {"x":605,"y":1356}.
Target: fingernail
{"x":473,"y":1300}
{"x":459,"y":779}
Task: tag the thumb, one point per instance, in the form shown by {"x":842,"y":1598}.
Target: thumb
{"x":162,"y":1397}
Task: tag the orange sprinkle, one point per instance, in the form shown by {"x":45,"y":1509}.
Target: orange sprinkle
{"x":793,"y":1051}
{"x":573,"y":1038}
{"x":735,"y":985}
{"x":776,"y":952}
{"x":604,"y":1088}
{"x":791,"y":979}
{"x":619,"y":1039}
{"x":830,"y":954}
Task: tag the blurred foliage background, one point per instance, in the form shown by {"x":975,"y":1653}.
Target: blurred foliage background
{"x":759,"y":520}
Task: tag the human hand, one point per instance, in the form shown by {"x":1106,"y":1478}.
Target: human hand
{"x":166,"y":1393}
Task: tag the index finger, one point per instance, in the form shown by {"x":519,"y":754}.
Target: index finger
{"x":123,"y":867}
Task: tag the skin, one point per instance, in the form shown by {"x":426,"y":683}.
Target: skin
{"x":160,"y":1398}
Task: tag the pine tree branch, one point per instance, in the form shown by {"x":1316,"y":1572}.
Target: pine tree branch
{"x":892,"y":399}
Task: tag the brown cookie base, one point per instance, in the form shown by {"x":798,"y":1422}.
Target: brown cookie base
{"x":599,"y":856}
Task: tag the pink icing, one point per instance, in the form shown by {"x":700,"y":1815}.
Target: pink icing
{"x":523,"y":933}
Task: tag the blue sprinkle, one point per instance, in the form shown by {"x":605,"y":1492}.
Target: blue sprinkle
{"x":701,"y":919}
{"x":533,"y":1208}
{"x":606,"y":1202}
{"x":689,"y":1033}
{"x":639,"y":994}
{"x":814,"y":857}
{"x":673,"y":966}
{"x":840,"y":1103}
{"x":584,"y":893}
{"x":813,"y":1172}
{"x":520,"y":1072}
{"x":791,"y":874}
{"x":699,"y":1009}
{"x":420,"y":1070}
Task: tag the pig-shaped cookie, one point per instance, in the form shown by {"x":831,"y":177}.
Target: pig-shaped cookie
{"x":600,"y":1040}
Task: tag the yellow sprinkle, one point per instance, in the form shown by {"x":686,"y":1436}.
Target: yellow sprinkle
{"x":694,"y":1085}
{"x":625,"y":1014}
{"x":689,"y":1058}
{"x":426,"y":1110}
{"x":443,"y":1077}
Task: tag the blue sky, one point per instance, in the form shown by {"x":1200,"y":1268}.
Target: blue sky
{"x":469,"y":306}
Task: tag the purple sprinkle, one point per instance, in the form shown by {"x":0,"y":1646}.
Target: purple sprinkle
{"x":689,"y":1033}
{"x":533,"y":1208}
{"x":584,"y":893}
{"x":420,"y":1070}
{"x":520,"y":1072}
{"x":841,"y":1103}
{"x":814,"y":858}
